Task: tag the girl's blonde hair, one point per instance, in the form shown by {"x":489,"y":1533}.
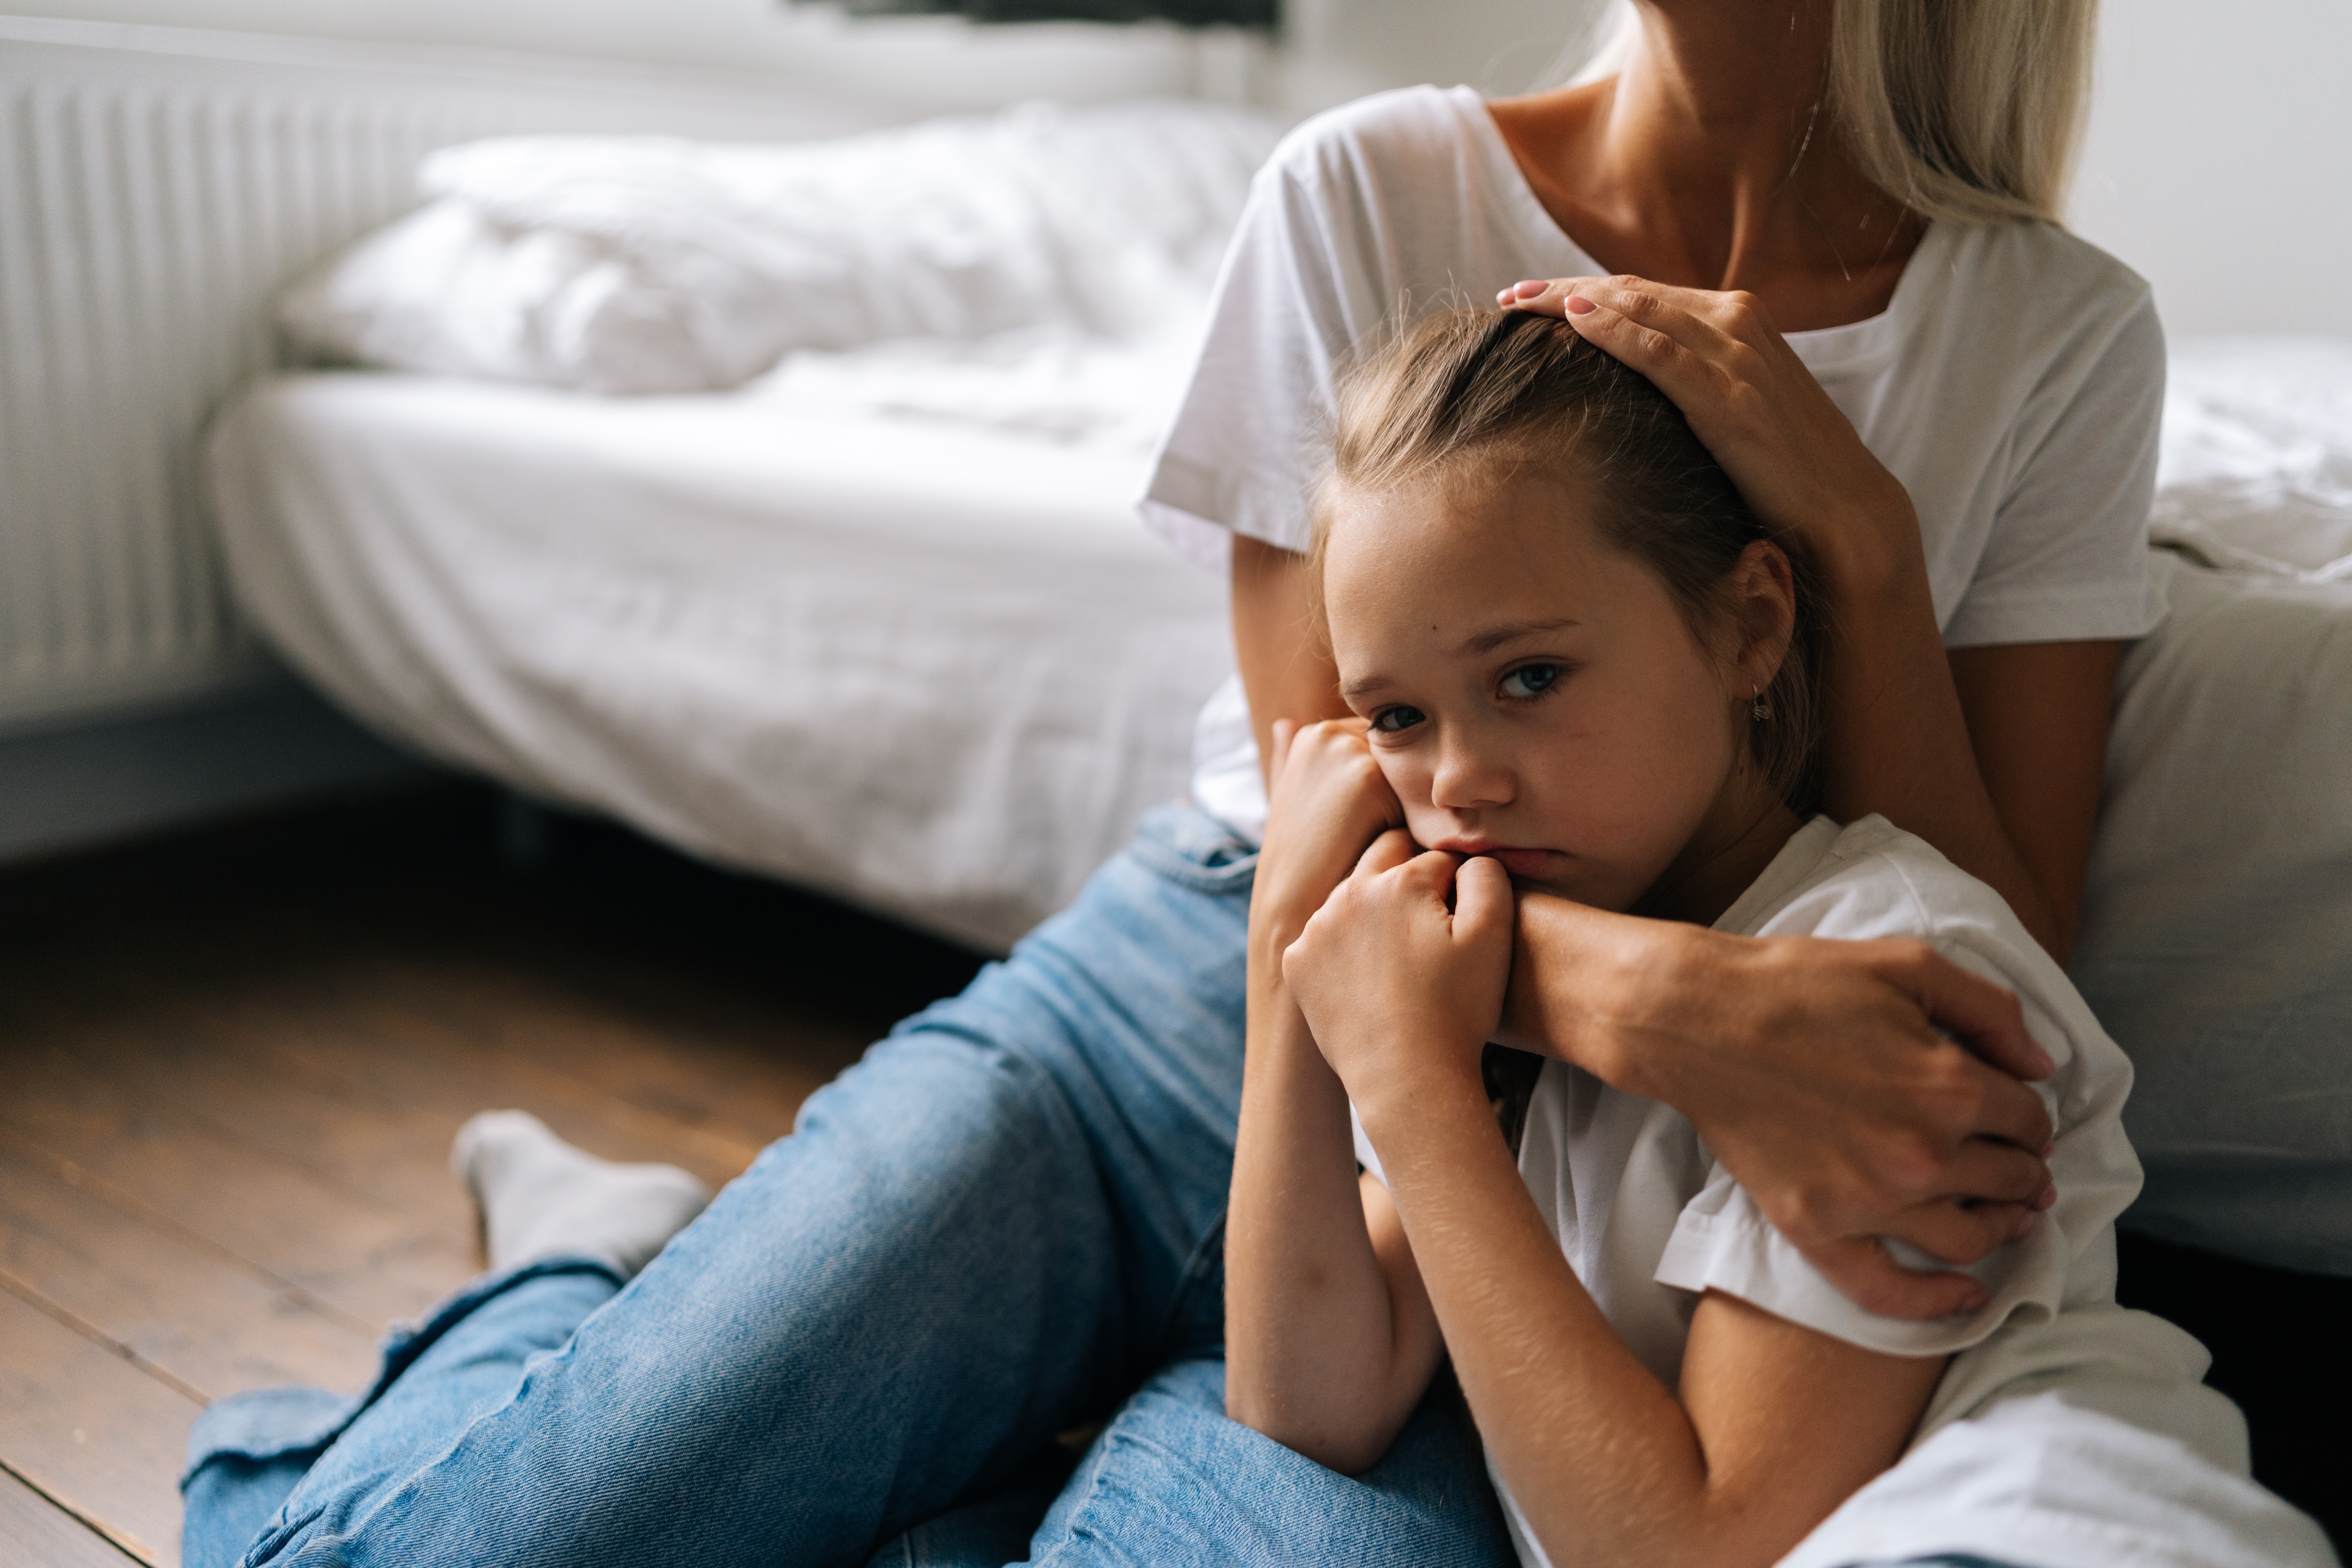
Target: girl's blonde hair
{"x":1964,"y":110}
{"x":1488,"y":395}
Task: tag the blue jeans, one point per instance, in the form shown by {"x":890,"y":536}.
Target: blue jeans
{"x":1003,"y":1223}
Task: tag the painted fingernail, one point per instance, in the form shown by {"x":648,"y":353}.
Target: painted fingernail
{"x":1526,"y":287}
{"x":2048,"y":1198}
{"x":1578,"y":305}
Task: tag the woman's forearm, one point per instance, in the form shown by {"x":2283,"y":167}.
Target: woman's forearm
{"x":1818,"y":1071}
{"x":1286,"y":668}
{"x":1895,"y":739}
{"x":1315,"y":1355}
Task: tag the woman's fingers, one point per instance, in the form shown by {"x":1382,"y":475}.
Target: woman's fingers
{"x":1951,"y":1233}
{"x":1981,"y":1016}
{"x":1993,"y":1105}
{"x":1987,"y":1171}
{"x":1684,"y":353}
{"x":1868,"y":1276}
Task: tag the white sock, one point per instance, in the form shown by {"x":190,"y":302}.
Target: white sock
{"x":540,"y":1197}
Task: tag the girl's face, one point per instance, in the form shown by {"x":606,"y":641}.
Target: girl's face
{"x":1535,"y":695}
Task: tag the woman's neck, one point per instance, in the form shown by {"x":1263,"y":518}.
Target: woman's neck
{"x":1712,"y":161}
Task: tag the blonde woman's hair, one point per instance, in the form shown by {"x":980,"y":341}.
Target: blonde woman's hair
{"x":1488,"y":395}
{"x":1964,"y":110}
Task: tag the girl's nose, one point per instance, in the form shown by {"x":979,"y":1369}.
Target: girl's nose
{"x":1468,"y":779}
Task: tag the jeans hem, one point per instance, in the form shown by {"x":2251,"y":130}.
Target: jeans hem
{"x":271,"y":1424}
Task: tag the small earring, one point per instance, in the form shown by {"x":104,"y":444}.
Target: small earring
{"x":1757,"y":709}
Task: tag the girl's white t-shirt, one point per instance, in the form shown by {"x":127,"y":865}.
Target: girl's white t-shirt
{"x":1649,"y":1221}
{"x":2013,"y":383}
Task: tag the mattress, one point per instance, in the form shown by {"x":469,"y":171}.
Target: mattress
{"x":935,"y":669}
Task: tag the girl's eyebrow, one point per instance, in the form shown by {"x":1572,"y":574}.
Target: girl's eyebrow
{"x":1483,"y":642}
{"x":1488,"y":641}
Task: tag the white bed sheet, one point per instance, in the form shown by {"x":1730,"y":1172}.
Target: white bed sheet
{"x":935,"y":669}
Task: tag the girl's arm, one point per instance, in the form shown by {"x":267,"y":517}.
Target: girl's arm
{"x":1774,"y":1425}
{"x":1329,"y":1340}
{"x":1814,"y":1069}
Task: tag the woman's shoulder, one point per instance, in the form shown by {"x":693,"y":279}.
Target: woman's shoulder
{"x":1403,"y":136}
{"x":2050,"y":285}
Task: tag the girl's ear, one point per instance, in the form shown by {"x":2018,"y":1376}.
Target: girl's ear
{"x":1763,"y":595}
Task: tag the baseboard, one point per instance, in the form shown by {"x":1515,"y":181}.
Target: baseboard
{"x":72,"y":787}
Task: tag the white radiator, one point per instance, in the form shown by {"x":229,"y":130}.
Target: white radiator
{"x":155,"y":191}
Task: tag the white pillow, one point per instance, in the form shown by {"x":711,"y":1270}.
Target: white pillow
{"x":2217,"y":937}
{"x":630,"y":264}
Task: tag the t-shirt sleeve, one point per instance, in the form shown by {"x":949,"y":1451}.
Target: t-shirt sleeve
{"x":1721,"y":1240}
{"x":1244,"y":452}
{"x":2067,"y":558}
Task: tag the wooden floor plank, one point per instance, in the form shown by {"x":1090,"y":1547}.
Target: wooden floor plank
{"x":210,"y":1325}
{"x":747,"y":1075}
{"x":369,"y":1260}
{"x":36,"y":1533}
{"x":93,"y":1431}
{"x":429,"y":1076}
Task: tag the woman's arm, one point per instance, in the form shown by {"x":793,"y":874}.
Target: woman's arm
{"x":2038,"y":715}
{"x":1775,"y":1424}
{"x":1815,"y":1070}
{"x":1329,"y":1340}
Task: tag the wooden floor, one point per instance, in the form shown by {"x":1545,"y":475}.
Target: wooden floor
{"x":230,"y":1068}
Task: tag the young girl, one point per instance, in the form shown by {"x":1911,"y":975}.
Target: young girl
{"x":1578,"y":666}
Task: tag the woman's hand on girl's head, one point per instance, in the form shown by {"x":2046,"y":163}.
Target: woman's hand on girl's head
{"x":1795,"y":456}
{"x":1402,"y":973}
{"x":1328,"y":801}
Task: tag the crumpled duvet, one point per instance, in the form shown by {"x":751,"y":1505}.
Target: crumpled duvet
{"x":2256,"y":472}
{"x":652,"y":265}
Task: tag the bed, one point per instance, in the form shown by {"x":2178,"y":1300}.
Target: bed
{"x":881,"y":621}
{"x":936,"y":671}
{"x":776,"y":499}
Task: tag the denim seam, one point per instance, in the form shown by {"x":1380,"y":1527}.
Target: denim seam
{"x":1208,"y":1256}
{"x":1176,"y":867}
{"x":1094,"y":1484}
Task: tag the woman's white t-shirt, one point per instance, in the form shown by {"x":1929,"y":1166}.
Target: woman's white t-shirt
{"x":2128,"y":1459}
{"x":2013,"y":383}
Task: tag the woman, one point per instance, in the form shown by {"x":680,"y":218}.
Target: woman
{"x":1009,"y":1215}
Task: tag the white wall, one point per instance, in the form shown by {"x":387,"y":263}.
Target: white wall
{"x":1338,"y":49}
{"x":2220,"y":161}
{"x":922,"y":60}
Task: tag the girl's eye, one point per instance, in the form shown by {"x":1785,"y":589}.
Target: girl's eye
{"x":1530,"y":679}
{"x":1392,"y":721}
